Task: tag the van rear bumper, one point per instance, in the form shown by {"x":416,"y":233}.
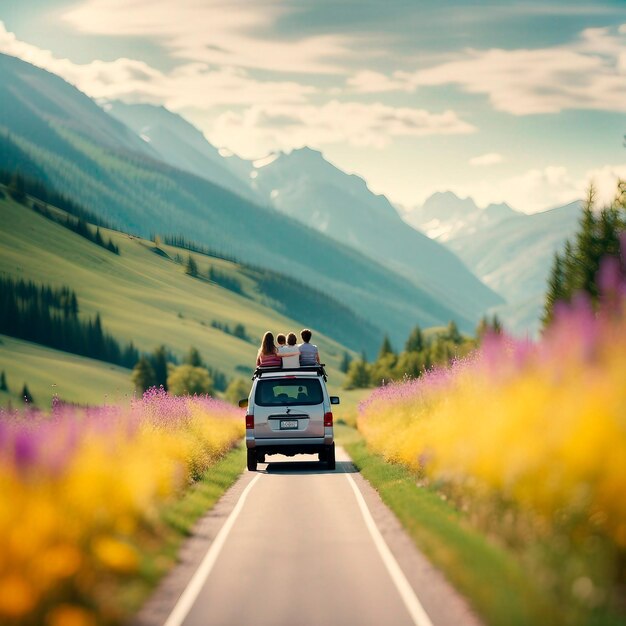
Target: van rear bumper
{"x":289,"y":447}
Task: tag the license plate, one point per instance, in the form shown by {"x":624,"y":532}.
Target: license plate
{"x":288,"y":424}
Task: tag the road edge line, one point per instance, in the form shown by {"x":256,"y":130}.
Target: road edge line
{"x":411,"y":601}
{"x":193,"y":588}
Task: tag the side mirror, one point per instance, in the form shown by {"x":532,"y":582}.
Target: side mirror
{"x":243,"y":404}
{"x":334,"y":399}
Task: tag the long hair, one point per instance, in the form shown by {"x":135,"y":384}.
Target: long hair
{"x":267,"y":344}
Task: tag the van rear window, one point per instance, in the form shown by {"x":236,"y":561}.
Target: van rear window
{"x":281,"y":392}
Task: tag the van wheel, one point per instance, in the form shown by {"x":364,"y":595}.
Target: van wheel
{"x":261,"y":458}
{"x":252,"y":459}
{"x":330,"y":456}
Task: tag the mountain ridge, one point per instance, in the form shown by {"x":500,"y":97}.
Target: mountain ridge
{"x":342,"y":206}
{"x":143,"y":194}
{"x":511,"y":251}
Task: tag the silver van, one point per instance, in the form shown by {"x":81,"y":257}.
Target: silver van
{"x":289,"y":412}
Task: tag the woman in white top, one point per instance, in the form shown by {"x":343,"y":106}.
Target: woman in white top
{"x":290,"y":353}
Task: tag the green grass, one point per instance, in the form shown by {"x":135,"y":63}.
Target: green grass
{"x":177,"y":521}
{"x":499,"y":589}
{"x":49,"y":372}
{"x":141,"y":296}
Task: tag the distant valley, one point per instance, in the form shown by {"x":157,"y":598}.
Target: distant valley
{"x":512,"y":252}
{"x":138,"y":179}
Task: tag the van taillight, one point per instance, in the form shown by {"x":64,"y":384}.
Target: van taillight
{"x":328,"y":419}
{"x":250,"y":421}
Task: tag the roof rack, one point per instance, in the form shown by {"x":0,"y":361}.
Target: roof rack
{"x":318,"y":369}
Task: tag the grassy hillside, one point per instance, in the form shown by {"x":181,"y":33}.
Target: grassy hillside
{"x":141,"y":295}
{"x":50,"y":372}
{"x":57,"y":144}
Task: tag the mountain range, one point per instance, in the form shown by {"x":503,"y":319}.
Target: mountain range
{"x":512,"y":252}
{"x":305,"y":186}
{"x":128,"y":175}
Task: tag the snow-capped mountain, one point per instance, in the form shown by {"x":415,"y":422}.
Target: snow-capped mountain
{"x":304,"y":185}
{"x":444,"y":216}
{"x":512,"y":252}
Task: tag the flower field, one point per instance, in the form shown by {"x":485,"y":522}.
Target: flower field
{"x":82,"y":488}
{"x":529,"y":441}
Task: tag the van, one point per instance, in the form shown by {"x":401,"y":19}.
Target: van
{"x":289,"y":412}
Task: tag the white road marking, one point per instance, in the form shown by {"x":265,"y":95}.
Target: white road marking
{"x":189,"y":596}
{"x":413,"y":605}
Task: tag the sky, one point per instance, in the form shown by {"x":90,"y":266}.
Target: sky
{"x":522,"y":102}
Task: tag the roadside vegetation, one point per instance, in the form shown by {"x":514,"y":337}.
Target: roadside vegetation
{"x":95,"y":501}
{"x":526,"y":443}
{"x":487,"y":574}
{"x":423,"y":350}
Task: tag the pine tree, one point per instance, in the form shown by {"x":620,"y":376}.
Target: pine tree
{"x":97,"y":344}
{"x":358,"y":376}
{"x":17,"y":188}
{"x":415,"y":342}
{"x":159,"y":364}
{"x":609,"y":228}
{"x":496,"y":324}
{"x":143,"y":375}
{"x":192,"y":267}
{"x":577,"y":269}
{"x":239,"y":331}
{"x":345,"y":362}
{"x":74,"y":304}
{"x":3,"y":382}
{"x":385,"y":348}
{"x":193,"y":358}
{"x":452,"y":333}
{"x":26,"y":395}
{"x":556,"y":288}
{"x":482,"y":328}
{"x":588,"y":250}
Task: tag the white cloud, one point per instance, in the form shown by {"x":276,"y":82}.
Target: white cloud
{"x":266,"y":128}
{"x":191,"y":85}
{"x":605,"y":180}
{"x":367,"y":81}
{"x":267,"y":114}
{"x":543,"y":188}
{"x":589,"y":73}
{"x":214,"y":31}
{"x":491,"y":158}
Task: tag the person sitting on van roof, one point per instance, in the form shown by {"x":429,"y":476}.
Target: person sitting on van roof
{"x":268,"y":355}
{"x":290,"y":352}
{"x":309,"y":354}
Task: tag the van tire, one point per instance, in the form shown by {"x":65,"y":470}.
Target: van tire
{"x":330,"y":456}
{"x":251,"y":460}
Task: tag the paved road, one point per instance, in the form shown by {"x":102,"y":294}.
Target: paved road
{"x":300,"y":547}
